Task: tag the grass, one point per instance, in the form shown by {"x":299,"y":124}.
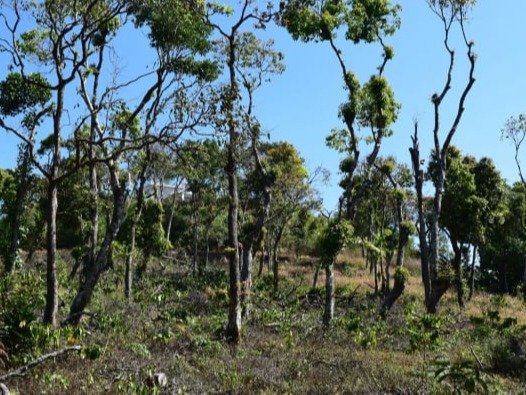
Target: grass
{"x":175,"y":326}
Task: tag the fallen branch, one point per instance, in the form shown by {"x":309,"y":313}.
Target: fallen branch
{"x":476,"y":358}
{"x":21,"y":370}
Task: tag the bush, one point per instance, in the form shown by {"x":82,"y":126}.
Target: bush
{"x":19,"y":303}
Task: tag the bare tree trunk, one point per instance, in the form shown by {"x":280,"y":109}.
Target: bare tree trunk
{"x":22,"y":184}
{"x":128,"y":277}
{"x":316,"y":275}
{"x":261,"y":262}
{"x":418,"y":175}
{"x":195,"y":237}
{"x":93,"y":272}
{"x":51,"y":309}
{"x":233,"y":329}
{"x":472,"y":274}
{"x":328,"y":315}
{"x":128,"y":280}
{"x":172,"y":211}
{"x":457,"y":267}
{"x":275,"y":266}
{"x":392,"y":296}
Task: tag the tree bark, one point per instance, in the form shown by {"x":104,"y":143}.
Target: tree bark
{"x":51,"y":309}
{"x":392,"y":297}
{"x":472,"y":274}
{"x":457,"y":267}
{"x":21,"y":192}
{"x":275,"y":262}
{"x":233,"y":329}
{"x":329,"y":294}
{"x":93,"y":273}
{"x":316,"y":275}
{"x":418,"y":175}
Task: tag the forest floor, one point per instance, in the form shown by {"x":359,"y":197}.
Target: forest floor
{"x":175,"y":326}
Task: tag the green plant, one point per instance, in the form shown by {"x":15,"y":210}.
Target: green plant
{"x":140,"y":349}
{"x":424,"y":331}
{"x":19,"y":302}
{"x":91,"y":352}
{"x":164,"y":335}
{"x":463,"y":376}
{"x":55,"y":379}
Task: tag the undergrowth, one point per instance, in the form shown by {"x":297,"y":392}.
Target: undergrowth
{"x":175,"y":324}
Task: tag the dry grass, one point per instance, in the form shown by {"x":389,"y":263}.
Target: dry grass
{"x":175,"y":326}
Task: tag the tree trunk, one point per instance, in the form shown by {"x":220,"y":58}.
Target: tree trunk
{"x":375,"y":273}
{"x":392,"y":297}
{"x":195,"y":237}
{"x":128,"y":279}
{"x":93,"y":272}
{"x":233,"y":329}
{"x":418,"y":176}
{"x":261,"y":262}
{"x":316,"y":275}
{"x":246,"y":281}
{"x":457,"y":267}
{"x":275,"y":273}
{"x":439,"y":287}
{"x":399,"y":286}
{"x":329,"y":294}
{"x":275,"y":265}
{"x":21,"y":192}
{"x":472,"y":274}
{"x":172,"y":212}
{"x":51,"y":309}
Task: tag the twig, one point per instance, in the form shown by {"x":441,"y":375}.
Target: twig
{"x":476,"y":358}
{"x":20,"y":371}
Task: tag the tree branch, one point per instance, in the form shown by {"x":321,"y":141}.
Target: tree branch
{"x":23,"y":369}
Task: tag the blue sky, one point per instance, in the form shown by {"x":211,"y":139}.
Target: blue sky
{"x":301,"y":106}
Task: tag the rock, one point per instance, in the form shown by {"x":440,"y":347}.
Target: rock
{"x":160,"y":380}
{"x":156,"y":380}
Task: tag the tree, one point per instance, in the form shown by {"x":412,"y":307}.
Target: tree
{"x":292,"y":192}
{"x":202,"y":165}
{"x":125,"y":133}
{"x":62,"y":41}
{"x":461,"y":211}
{"x":515,"y":131}
{"x":451,"y":13}
{"x":502,"y":255}
{"x":371,"y":106}
{"x":234,"y":112}
{"x":336,"y":236}
{"x":492,"y":189}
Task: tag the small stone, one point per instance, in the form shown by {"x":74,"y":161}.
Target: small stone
{"x":158,"y":380}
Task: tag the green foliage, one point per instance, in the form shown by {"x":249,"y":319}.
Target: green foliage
{"x":124,"y":121}
{"x":424,"y":330}
{"x":174,"y":25}
{"x":55,"y":380}
{"x":463,"y":376}
{"x":364,"y":20}
{"x":19,"y":94}
{"x":371,"y":19}
{"x":377,"y":107}
{"x":91,"y":352}
{"x":151,"y":234}
{"x":401,"y":275}
{"x":336,"y":236}
{"x":21,"y":296}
